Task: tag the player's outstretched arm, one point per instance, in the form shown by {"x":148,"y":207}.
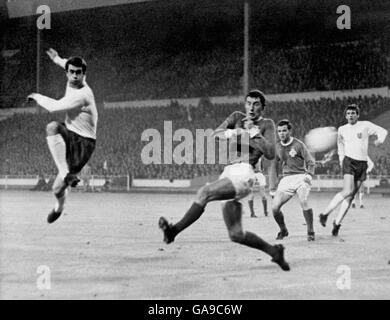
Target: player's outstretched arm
{"x":52,"y":105}
{"x":53,"y":55}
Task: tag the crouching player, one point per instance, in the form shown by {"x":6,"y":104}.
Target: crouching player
{"x":256,"y":135}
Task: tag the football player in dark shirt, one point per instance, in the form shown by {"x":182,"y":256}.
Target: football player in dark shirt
{"x":298,"y":169}
{"x":251,"y":136}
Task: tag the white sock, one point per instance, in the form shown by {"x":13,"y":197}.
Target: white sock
{"x":57,"y":149}
{"x":361,"y":198}
{"x":59,"y":204}
{"x":334,"y":203}
{"x":343,"y":211}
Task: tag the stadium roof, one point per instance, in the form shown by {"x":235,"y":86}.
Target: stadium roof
{"x":22,"y":8}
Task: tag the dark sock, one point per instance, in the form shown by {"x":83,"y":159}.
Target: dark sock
{"x":254,"y":241}
{"x":193,"y":214}
{"x":308,"y":214}
{"x":251,"y":207}
{"x":264,"y":205}
{"x":279,"y":218}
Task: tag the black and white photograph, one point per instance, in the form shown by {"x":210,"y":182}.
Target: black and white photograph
{"x":194,"y":150}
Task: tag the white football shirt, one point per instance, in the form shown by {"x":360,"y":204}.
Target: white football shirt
{"x":353,"y":139}
{"x":79,"y":104}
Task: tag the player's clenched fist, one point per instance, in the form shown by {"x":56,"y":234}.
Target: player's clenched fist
{"x":229,"y":133}
{"x":31,"y":96}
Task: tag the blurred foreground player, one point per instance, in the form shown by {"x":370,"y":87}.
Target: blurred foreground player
{"x":352,"y":144}
{"x":71,"y":143}
{"x":252,"y":136}
{"x":298,"y":168}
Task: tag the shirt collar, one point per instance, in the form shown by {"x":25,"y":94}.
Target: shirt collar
{"x":288,"y":143}
{"x":254,"y":120}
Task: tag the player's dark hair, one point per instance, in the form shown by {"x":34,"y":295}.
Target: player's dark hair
{"x":257,"y":94}
{"x":77,"y":62}
{"x":285,"y":122}
{"x":352,"y":106}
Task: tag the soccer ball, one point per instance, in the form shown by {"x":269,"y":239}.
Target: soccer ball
{"x":321,"y":139}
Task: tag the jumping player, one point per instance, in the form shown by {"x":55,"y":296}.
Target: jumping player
{"x":258,"y":185}
{"x":71,"y":143}
{"x":298,"y":168}
{"x":252,"y":136}
{"x":352,"y":144}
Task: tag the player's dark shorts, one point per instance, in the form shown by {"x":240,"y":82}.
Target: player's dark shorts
{"x":355,"y":167}
{"x":78,"y":149}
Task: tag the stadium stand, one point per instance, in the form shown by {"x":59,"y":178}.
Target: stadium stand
{"x":24,"y":151}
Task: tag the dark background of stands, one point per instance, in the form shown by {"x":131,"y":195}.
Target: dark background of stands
{"x":24,"y":150}
{"x":171,"y":49}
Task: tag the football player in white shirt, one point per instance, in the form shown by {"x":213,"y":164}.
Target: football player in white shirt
{"x":363,"y":186}
{"x":352,"y":144}
{"x":72,"y":143}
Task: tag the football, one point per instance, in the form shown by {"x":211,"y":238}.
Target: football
{"x":321,"y":139}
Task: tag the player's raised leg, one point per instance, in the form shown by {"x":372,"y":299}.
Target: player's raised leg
{"x":303,"y":195}
{"x":222,"y":189}
{"x":279,"y":200}
{"x":344,"y":209}
{"x":60,"y":192}
{"x":57,"y":147}
{"x":348,"y":188}
{"x":232,"y":212}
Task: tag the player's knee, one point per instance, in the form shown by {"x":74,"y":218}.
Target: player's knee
{"x":52,"y":128}
{"x":58,"y":191}
{"x":275,"y":209}
{"x":203,"y":194}
{"x":347,"y":193}
{"x":237,"y":236}
{"x":305,"y":205}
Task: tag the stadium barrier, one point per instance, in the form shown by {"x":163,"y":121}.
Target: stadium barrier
{"x":298,"y":96}
{"x":124,"y":183}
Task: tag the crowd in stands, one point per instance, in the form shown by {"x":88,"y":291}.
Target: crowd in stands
{"x":121,"y":74}
{"x":23,"y":149}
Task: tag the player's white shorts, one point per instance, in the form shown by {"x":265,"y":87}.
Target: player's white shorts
{"x":292,"y":183}
{"x":242,"y":176}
